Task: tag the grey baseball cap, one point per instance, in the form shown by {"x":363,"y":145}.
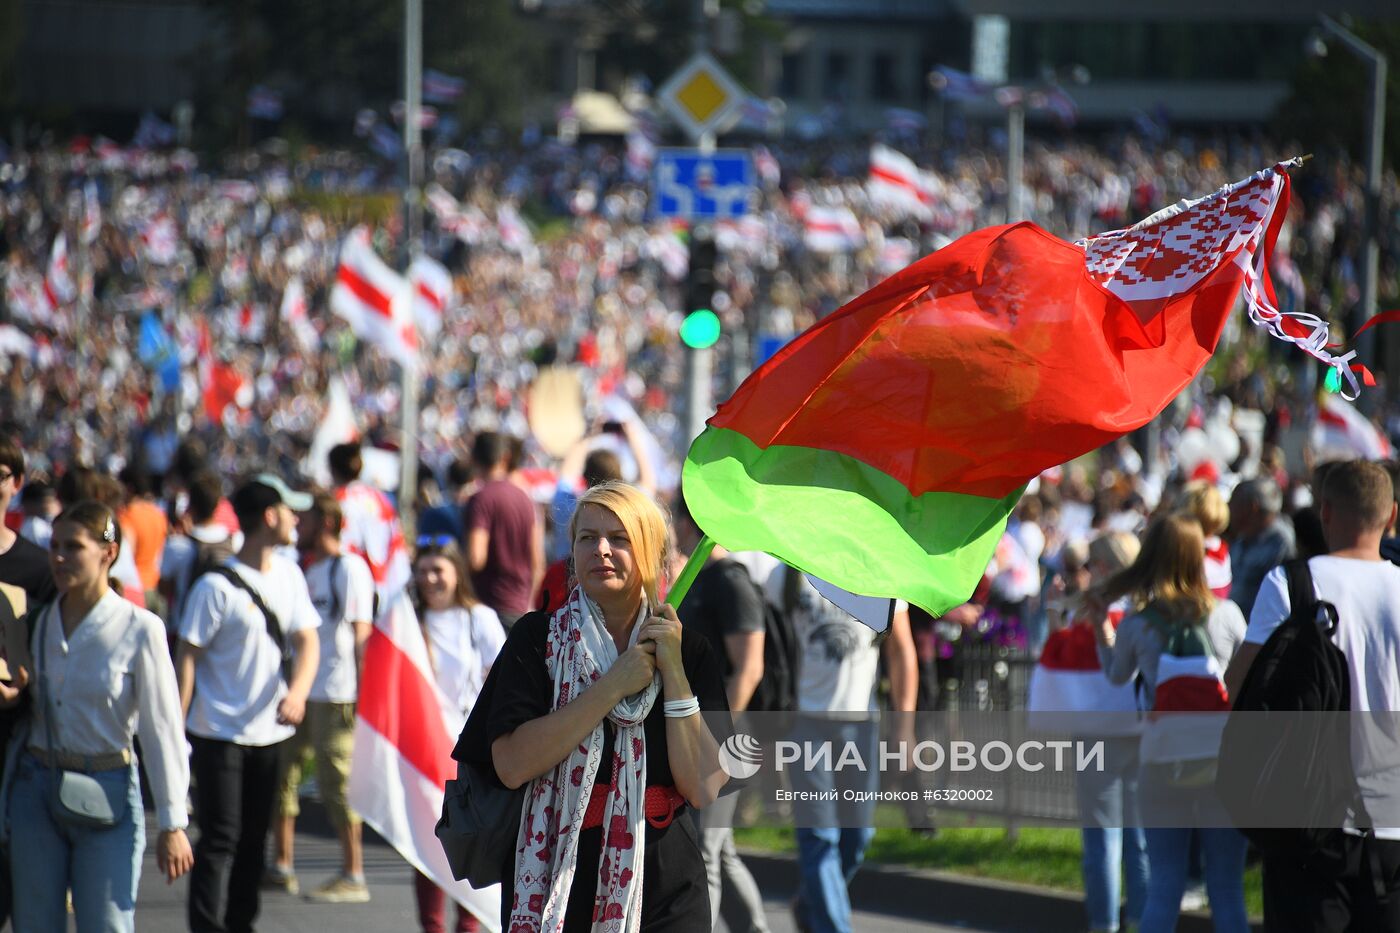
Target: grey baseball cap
{"x":296,"y":501}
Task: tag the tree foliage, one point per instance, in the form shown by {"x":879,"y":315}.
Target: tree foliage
{"x":1328,"y":107}
{"x":329,"y":58}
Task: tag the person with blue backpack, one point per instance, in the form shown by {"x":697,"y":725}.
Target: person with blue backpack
{"x":1177,"y":644}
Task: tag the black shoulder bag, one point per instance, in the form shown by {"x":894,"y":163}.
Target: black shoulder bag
{"x":274,"y":625}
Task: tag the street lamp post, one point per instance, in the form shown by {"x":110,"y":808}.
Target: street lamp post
{"x":1375,"y":142}
{"x":413,"y":224}
{"x":1015,"y":160}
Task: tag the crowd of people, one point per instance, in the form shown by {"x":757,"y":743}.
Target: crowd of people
{"x":161,"y":409}
{"x":178,"y":271}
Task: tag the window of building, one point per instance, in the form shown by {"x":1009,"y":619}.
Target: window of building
{"x":790,"y":82}
{"x":836,"y":76}
{"x":884,"y":83}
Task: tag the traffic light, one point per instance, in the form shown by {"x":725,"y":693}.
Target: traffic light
{"x":700,"y":329}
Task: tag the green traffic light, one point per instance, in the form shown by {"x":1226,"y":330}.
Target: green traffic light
{"x":700,"y":329}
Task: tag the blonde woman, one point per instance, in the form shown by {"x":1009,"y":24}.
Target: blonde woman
{"x":1204,"y":502}
{"x":596,"y":708}
{"x":1176,"y":784}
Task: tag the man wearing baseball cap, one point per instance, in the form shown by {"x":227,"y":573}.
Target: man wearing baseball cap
{"x":243,"y":696}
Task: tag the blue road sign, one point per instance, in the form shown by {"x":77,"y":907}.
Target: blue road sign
{"x":717,"y":186}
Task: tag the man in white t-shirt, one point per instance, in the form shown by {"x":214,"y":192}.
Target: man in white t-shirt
{"x":838,"y":671}
{"x":239,"y":709}
{"x":1357,"y":506}
{"x":342,"y":590}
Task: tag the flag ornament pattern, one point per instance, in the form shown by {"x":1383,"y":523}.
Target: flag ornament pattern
{"x":884,"y":448}
{"x":1179,"y":248}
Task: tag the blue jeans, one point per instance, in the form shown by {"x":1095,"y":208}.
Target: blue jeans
{"x":101,"y":866}
{"x":1113,"y":843}
{"x":832,"y":835}
{"x":1168,"y":854}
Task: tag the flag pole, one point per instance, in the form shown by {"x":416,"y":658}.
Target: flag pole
{"x":413,"y":233}
{"x":690,"y":571}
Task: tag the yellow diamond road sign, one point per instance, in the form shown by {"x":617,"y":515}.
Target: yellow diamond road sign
{"x":701,"y":95}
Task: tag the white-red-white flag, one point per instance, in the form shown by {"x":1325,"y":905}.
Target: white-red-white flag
{"x":432,"y":294}
{"x":403,"y":753}
{"x":831,"y":229}
{"x":295,"y":316}
{"x":370,"y":528}
{"x":250,"y":322}
{"x":24,"y":296}
{"x":1343,"y":433}
{"x":1068,"y":680}
{"x":161,"y":240}
{"x":92,"y":214}
{"x":59,"y":288}
{"x":374,"y":299}
{"x":514,"y":232}
{"x":896,"y":182}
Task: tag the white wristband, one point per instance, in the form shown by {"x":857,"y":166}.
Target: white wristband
{"x":679,"y":709}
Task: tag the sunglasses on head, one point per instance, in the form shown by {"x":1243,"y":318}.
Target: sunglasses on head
{"x":435,"y":541}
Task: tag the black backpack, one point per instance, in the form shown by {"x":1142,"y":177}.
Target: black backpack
{"x":777,"y":690}
{"x":1275,"y":762}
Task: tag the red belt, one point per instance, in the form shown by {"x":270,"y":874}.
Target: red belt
{"x":662,"y":803}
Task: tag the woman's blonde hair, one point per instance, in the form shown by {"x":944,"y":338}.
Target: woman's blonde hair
{"x":1169,"y":571}
{"x":644,"y":522}
{"x":1203,"y":500}
{"x":1114,"y":551}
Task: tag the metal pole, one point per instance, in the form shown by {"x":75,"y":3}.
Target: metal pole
{"x":413,"y":230}
{"x":699,"y":392}
{"x":1015,"y":159}
{"x":1375,"y":142}
{"x":83,"y":269}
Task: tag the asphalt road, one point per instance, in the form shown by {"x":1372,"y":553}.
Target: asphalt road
{"x":161,"y":907}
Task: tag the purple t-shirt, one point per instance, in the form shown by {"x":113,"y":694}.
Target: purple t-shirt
{"x":508,"y":516}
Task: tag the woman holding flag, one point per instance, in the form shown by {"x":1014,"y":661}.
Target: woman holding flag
{"x":596,"y":709}
{"x":1179,"y":641}
{"x":463,"y":637}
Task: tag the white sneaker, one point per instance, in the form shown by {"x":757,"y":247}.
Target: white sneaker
{"x":340,"y":890}
{"x":1194,"y":898}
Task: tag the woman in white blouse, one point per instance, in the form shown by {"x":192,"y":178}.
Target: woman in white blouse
{"x":101,"y":666}
{"x":464,"y":636}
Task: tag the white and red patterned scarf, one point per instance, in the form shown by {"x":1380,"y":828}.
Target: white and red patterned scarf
{"x":578,"y":651}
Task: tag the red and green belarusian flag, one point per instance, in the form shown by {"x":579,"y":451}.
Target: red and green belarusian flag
{"x":883,"y":449}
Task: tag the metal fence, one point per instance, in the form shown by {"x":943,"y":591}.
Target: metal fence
{"x":985,"y":678}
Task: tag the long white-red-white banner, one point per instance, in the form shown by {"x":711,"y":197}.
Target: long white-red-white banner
{"x":403,"y":754}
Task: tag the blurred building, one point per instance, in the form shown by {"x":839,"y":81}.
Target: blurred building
{"x":1193,"y":61}
{"x":109,"y":56}
{"x":838,"y":65}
